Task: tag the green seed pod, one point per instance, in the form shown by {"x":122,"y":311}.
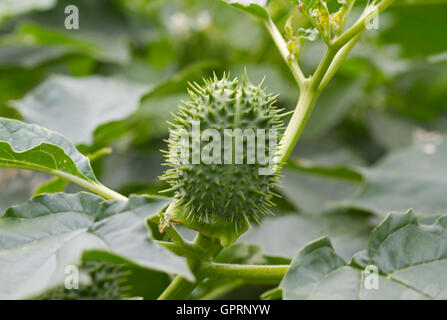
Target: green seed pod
{"x":222,"y":175}
{"x":107,"y":283}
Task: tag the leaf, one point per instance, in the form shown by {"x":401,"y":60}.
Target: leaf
{"x":281,"y":236}
{"x":36,"y":44}
{"x":27,"y":146}
{"x":333,"y":106}
{"x":409,"y":256}
{"x":106,"y":39}
{"x":177,"y":82}
{"x":153,"y":115}
{"x":243,"y":253}
{"x":53,"y":185}
{"x":28,"y":56}
{"x":57,"y":184}
{"x":41,"y":237}
{"x":10,"y":8}
{"x":17,"y":186}
{"x":414,"y":177}
{"x":313,"y":188}
{"x":420,"y":2}
{"x":75,"y":107}
{"x":254,"y":7}
{"x":389,"y":130}
{"x":418,"y":37}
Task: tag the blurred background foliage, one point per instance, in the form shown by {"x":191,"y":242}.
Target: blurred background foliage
{"x":115,"y":81}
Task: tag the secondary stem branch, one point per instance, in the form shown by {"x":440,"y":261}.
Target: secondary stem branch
{"x":181,"y":288}
{"x":361,"y":23}
{"x":282,"y":47}
{"x":337,"y":60}
{"x":245,"y":272}
{"x":296,"y":125}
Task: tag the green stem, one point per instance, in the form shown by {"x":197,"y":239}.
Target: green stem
{"x":311,"y":88}
{"x":99,"y":154}
{"x":264,"y":273}
{"x":222,"y":290}
{"x":337,"y":60}
{"x":282,"y":47}
{"x":182,"y":251}
{"x":345,"y":18}
{"x":87,"y":184}
{"x":323,"y":67}
{"x":324,"y":35}
{"x":360,"y":25}
{"x":94,"y":187}
{"x":297,"y":123}
{"x":180,"y":288}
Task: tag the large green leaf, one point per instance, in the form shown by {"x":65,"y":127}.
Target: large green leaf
{"x":106,"y":39}
{"x":281,"y":236}
{"x":410,"y":258}
{"x":10,"y":8}
{"x":314,"y":185}
{"x":415,"y":177}
{"x":92,"y":101}
{"x":254,"y":7}
{"x":419,"y":2}
{"x":28,"y":56}
{"x":27,"y":146}
{"x":389,"y":130}
{"x":41,"y":237}
{"x":17,"y":186}
{"x":333,"y":106}
{"x":418,"y":28}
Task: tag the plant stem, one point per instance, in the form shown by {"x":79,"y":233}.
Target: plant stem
{"x":273,"y":273}
{"x":94,"y":187}
{"x":180,"y":288}
{"x":337,"y":60}
{"x":282,"y":47}
{"x":87,"y":184}
{"x":323,"y":67}
{"x":222,"y":290}
{"x":296,"y":125}
{"x":360,"y":25}
{"x":310,"y":89}
{"x":324,"y":35}
{"x":99,"y":154}
{"x":182,"y":251}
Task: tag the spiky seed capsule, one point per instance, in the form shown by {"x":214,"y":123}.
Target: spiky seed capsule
{"x":225,"y":196}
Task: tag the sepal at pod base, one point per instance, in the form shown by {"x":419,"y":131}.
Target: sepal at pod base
{"x":220,"y":188}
